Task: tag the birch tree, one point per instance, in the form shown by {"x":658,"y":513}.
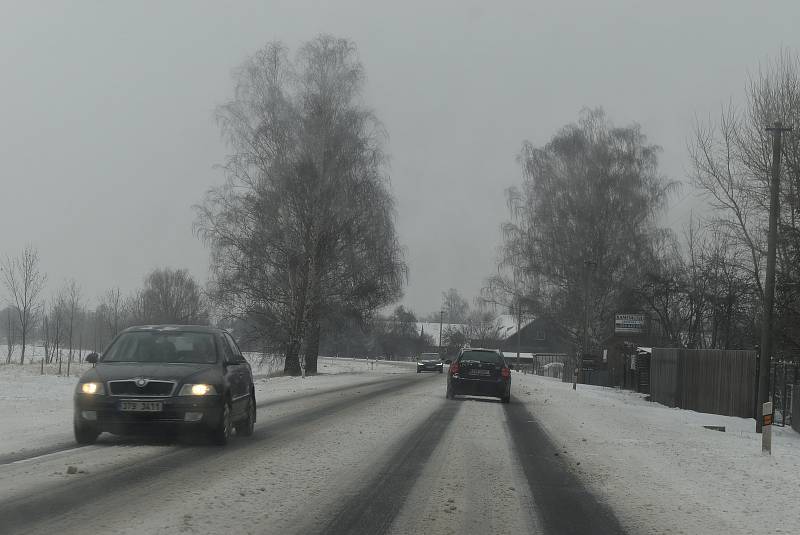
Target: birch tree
{"x":24,"y":283}
{"x":304,"y":225}
{"x":589,"y":197}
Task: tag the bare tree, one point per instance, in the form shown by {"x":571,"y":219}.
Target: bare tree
{"x":590,"y":197}
{"x":24,"y":282}
{"x":169,"y":296}
{"x":456,"y":308}
{"x":731,"y":159}
{"x":72,"y":297}
{"x":113,"y":307}
{"x":9,"y":323}
{"x":304,"y":227}
{"x":45,"y":332}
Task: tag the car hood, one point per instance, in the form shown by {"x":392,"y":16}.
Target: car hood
{"x":131,"y":370}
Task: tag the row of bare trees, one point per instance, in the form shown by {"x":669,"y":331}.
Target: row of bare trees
{"x":706,"y":289}
{"x":584,"y":241}
{"x":302,"y":233}
{"x":64,"y":324}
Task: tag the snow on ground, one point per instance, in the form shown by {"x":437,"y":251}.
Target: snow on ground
{"x":36,"y":409}
{"x":660,"y":470}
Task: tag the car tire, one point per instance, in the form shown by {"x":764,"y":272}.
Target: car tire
{"x":85,"y":434}
{"x":449,"y":394}
{"x":245,"y":427}
{"x":222,"y":432}
{"x":506,"y":399}
{"x":418,"y":370}
{"x":440,"y":370}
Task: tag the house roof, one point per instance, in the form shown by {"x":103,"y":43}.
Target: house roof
{"x":508,"y":324}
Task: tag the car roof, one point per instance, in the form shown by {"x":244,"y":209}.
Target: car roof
{"x":169,"y":327}
{"x":485,"y":350}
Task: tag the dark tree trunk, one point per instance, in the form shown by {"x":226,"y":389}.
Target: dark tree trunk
{"x":291,"y":365}
{"x":312,"y":347}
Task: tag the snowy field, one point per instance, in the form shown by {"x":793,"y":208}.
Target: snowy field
{"x":36,"y":410}
{"x":661,"y":470}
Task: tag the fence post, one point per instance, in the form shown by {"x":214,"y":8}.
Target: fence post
{"x":766,"y":429}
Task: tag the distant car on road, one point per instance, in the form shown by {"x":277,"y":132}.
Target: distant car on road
{"x":480,"y":372}
{"x":166,"y":377}
{"x":429,"y":362}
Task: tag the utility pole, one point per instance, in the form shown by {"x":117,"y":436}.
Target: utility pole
{"x":519,"y":328}
{"x":769,"y":285}
{"x":586,"y":294}
{"x":441,"y":317}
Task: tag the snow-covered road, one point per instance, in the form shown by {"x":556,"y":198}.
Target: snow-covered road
{"x":377,"y":448}
{"x":357,"y":452}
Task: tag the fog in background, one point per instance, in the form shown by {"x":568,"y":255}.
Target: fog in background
{"x":108,"y":135}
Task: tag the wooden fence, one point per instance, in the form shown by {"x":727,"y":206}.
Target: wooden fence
{"x":796,"y":409}
{"x":706,"y":380}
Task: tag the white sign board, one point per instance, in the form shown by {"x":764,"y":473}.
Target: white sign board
{"x":629,"y":323}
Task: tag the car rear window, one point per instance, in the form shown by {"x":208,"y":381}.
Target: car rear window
{"x":482,"y":356}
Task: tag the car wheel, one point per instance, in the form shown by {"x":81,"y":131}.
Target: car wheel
{"x":440,"y":370}
{"x":222,"y":432}
{"x":506,"y":399}
{"x":449,"y":394}
{"x":246,"y":426}
{"x":417,"y":370}
{"x":85,"y":434}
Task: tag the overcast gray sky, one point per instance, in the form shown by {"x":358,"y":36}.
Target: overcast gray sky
{"x":107,"y":135}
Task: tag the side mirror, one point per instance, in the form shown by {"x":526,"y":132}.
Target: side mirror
{"x":510,"y":366}
{"x":91,"y":358}
{"x":448,"y":361}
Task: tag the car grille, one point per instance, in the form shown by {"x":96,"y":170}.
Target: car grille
{"x":152,"y":388}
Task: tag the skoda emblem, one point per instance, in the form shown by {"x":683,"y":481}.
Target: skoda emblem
{"x":141,"y":382}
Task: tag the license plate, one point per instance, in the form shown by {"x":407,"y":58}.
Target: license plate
{"x":479,"y":372}
{"x":141,"y":406}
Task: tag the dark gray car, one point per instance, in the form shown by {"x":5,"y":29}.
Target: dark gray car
{"x":165,"y":378}
{"x":429,"y":362}
{"x":479,"y":372}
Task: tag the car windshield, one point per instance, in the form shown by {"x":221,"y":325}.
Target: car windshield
{"x":162,"y":347}
{"x":489,"y":357}
{"x":429,"y":356}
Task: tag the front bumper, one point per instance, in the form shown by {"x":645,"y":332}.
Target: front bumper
{"x":429,"y":367}
{"x":179,"y":412}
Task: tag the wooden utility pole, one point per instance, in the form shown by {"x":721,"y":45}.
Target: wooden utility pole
{"x":519,"y":328}
{"x":587,"y":265}
{"x":441,"y":317}
{"x":769,"y":283}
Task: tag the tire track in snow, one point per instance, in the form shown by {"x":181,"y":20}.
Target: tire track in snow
{"x":23,"y":512}
{"x":562,"y":501}
{"x":373,"y":507}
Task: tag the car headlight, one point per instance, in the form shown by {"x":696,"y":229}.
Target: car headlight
{"x":197,"y":390}
{"x":91,"y":388}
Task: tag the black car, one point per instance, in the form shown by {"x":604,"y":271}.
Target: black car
{"x":479,"y":372}
{"x":164,"y":378}
{"x":429,"y":362}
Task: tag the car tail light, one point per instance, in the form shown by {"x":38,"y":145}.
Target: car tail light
{"x":454,"y":368}
{"x":505,"y":373}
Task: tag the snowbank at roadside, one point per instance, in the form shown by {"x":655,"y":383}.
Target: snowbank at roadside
{"x":36,"y":409}
{"x":661,"y":470}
